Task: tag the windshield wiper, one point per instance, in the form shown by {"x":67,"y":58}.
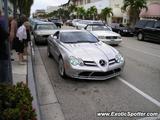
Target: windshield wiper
{"x":85,"y":41}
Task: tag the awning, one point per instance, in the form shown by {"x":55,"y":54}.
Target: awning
{"x":152,"y":12}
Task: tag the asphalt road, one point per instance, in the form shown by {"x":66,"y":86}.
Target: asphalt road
{"x":136,"y":90}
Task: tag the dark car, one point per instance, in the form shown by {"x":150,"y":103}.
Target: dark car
{"x":57,"y":22}
{"x":122,"y":30}
{"x":68,"y":22}
{"x":140,"y":25}
{"x":150,"y":31}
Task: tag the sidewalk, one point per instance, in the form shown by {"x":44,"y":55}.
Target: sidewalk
{"x":19,"y":72}
{"x":34,"y":74}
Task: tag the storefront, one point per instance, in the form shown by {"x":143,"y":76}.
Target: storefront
{"x":153,"y":11}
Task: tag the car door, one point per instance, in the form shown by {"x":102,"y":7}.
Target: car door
{"x":149,"y":30}
{"x":156,"y":33}
{"x":54,"y":45}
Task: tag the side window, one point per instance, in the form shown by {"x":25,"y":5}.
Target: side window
{"x":89,"y":28}
{"x":157,"y":24}
{"x":150,"y":24}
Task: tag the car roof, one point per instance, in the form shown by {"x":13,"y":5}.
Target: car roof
{"x":71,"y":30}
{"x":100,"y":24}
{"x":42,"y":22}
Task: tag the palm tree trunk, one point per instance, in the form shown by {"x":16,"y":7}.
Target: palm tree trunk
{"x":14,"y":8}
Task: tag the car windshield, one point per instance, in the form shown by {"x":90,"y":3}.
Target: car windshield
{"x":46,"y":27}
{"x":78,"y":37}
{"x":100,"y":28}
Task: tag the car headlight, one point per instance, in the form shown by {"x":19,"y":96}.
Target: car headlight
{"x":125,"y":30}
{"x":75,"y":61}
{"x":119,"y":37}
{"x":101,"y":37}
{"x":119,"y":58}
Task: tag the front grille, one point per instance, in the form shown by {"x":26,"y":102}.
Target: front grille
{"x":89,"y":63}
{"x":112,"y":61}
{"x":111,"y":37}
{"x":45,"y":36}
{"x":100,"y":74}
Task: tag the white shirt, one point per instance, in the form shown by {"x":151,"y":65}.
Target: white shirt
{"x":21,"y":33}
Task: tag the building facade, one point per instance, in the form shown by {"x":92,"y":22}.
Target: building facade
{"x":153,"y":11}
{"x":116,"y":5}
{"x":39,"y":12}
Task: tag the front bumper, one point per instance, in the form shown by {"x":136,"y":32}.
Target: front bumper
{"x":112,"y":41}
{"x":42,"y":39}
{"x":94,"y":73}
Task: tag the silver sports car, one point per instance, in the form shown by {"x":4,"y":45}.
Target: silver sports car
{"x":81,"y":55}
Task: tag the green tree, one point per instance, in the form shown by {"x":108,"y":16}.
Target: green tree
{"x":81,"y":12}
{"x":92,"y":11}
{"x":72,"y":9}
{"x":106,"y":13}
{"x":24,"y":6}
{"x":133,"y":7}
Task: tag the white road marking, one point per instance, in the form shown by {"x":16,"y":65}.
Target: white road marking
{"x":151,"y":99}
{"x":143,"y":52}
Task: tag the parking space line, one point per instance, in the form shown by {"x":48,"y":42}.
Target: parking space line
{"x":143,"y":52}
{"x":151,"y":99}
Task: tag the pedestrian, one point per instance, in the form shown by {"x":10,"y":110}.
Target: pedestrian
{"x":4,"y":58}
{"x":21,"y":21}
{"x":21,"y":38}
{"x":12,"y":32}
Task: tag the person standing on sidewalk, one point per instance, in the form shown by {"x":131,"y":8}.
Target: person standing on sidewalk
{"x":12,"y":32}
{"x":4,"y":76}
{"x":21,"y":36}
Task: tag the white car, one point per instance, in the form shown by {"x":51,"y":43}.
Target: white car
{"x":83,"y":23}
{"x":104,"y":34}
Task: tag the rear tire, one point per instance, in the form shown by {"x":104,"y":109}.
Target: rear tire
{"x":140,"y":36}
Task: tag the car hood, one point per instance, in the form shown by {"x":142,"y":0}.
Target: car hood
{"x":104,"y":33}
{"x":45,"y":32}
{"x":91,"y":51}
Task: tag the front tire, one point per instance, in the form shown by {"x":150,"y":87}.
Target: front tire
{"x":140,"y":36}
{"x":61,"y":68}
{"x":49,"y":52}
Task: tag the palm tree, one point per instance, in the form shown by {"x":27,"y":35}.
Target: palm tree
{"x":72,"y":9}
{"x":92,"y":11}
{"x":106,"y":13}
{"x":80,"y":12}
{"x":134,"y":7}
{"x":24,"y":6}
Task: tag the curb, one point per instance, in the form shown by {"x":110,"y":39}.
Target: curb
{"x":49,"y":104}
{"x":32,"y":82}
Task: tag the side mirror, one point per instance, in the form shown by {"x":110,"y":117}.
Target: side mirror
{"x":54,"y":37}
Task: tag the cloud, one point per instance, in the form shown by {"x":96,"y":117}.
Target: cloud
{"x":42,"y":4}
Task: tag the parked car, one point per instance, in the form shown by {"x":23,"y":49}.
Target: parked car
{"x":81,"y":55}
{"x":150,"y":31}
{"x":57,"y":22}
{"x":104,"y":33}
{"x":83,"y":23}
{"x":74,"y":22}
{"x":42,"y":30}
{"x":68,"y":22}
{"x":122,"y":30}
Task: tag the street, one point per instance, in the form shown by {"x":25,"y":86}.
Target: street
{"x":135,"y":90}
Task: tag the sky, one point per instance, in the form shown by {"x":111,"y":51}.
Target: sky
{"x":42,"y":4}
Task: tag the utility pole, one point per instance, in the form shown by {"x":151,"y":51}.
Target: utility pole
{"x":9,"y":65}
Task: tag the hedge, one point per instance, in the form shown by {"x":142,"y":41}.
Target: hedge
{"x":16,"y":102}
